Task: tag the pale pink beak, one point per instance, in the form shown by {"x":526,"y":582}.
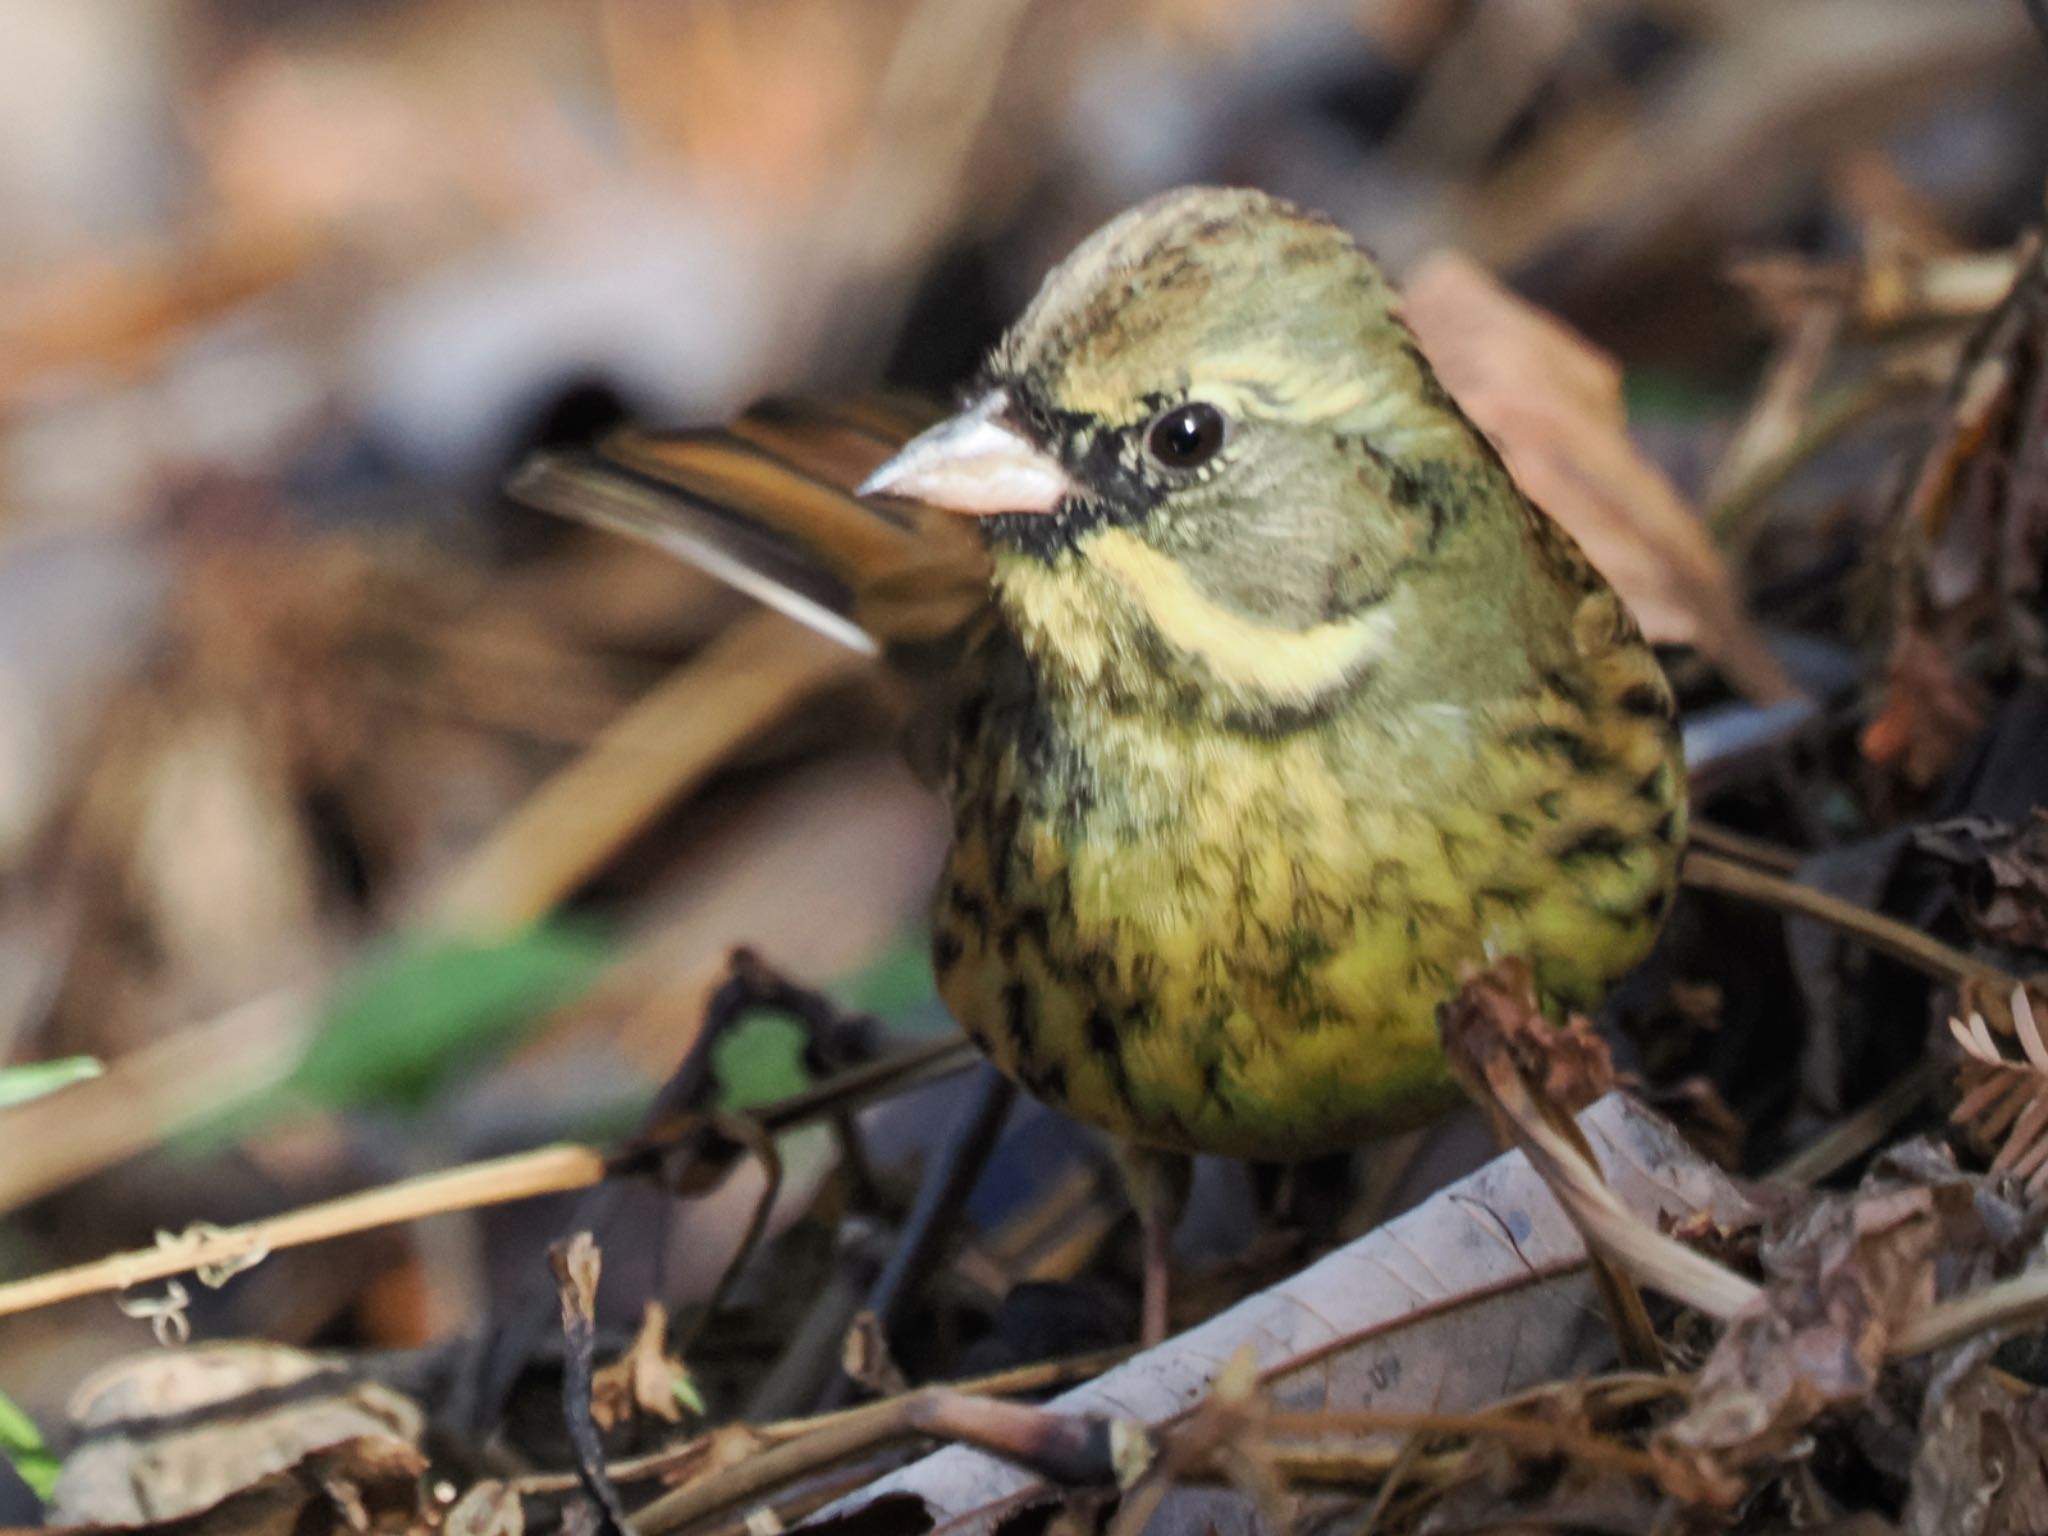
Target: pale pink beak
{"x":975,"y":464}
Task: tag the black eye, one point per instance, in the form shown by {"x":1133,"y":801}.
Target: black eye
{"x":1187,"y":436}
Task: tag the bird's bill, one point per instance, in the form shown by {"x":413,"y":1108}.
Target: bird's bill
{"x":973,"y":463}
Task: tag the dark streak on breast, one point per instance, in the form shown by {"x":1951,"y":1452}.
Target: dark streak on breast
{"x":1559,"y":741}
{"x":1597,"y":842}
{"x":1108,"y":1047}
{"x":970,"y":907}
{"x":1645,"y":701}
{"x":1018,"y":1024}
{"x":1573,"y":690}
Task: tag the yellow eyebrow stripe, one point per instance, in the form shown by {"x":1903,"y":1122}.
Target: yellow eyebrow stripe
{"x":1282,"y":666}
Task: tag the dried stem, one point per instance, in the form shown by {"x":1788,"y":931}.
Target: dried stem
{"x":1859,"y":1132}
{"x":1925,"y":953}
{"x":545,"y":1171}
{"x":1609,"y":1227}
{"x":521,"y":1176}
{"x":2010,"y":1303}
{"x":1733,"y":516}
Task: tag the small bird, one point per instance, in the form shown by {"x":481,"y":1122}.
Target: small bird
{"x":1266,"y":705}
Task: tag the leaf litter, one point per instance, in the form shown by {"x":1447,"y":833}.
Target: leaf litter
{"x":330,"y":741}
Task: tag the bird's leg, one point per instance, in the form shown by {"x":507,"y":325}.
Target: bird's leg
{"x":1158,"y":1186}
{"x":1155,"y":1237}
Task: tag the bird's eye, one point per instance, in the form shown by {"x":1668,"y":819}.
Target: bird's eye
{"x":1187,"y":436}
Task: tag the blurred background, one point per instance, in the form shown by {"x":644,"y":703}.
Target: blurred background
{"x":302,"y":723}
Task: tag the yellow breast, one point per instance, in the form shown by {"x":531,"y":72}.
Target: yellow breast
{"x":1238,"y":944}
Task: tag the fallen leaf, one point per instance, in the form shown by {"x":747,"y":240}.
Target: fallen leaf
{"x":1568,"y":1063}
{"x":1844,"y":1273}
{"x":1982,"y":1467}
{"x":167,"y":1434}
{"x":368,"y":1487}
{"x":1479,"y":1292}
{"x":2003,"y":873}
{"x":489,"y":1508}
{"x":645,"y":1381}
{"x":1849,"y":1272}
{"x":1968,"y":535}
{"x":1931,"y":711}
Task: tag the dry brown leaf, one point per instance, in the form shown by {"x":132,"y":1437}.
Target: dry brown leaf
{"x":1569,"y":1064}
{"x":371,"y":1487}
{"x":645,"y":1381}
{"x":1849,"y":1272}
{"x":1931,"y":711}
{"x":2000,"y":875}
{"x":2014,"y":907}
{"x":1968,"y":536}
{"x":1552,"y":404}
{"x":1850,"y":1278}
{"x":489,"y":1508}
{"x":1982,"y":1469}
{"x":170,"y":1433}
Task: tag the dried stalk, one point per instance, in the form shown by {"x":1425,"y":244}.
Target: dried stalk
{"x":523,"y":1175}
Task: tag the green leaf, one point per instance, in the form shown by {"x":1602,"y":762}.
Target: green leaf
{"x":22,"y":1444}
{"x":415,"y":1014}
{"x":429,"y":1009}
{"x":759,"y":1060}
{"x":34,"y":1079}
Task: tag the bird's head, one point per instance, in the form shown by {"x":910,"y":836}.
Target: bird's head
{"x":1211,"y":415}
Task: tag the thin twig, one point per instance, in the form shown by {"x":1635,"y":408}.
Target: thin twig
{"x":1084,"y":1455}
{"x":1732,"y":519}
{"x":947,"y":1184}
{"x":1390,"y":1483}
{"x":1782,"y":401}
{"x":1478,"y":1028}
{"x":1042,"y":1376}
{"x":521,"y":1176}
{"x":1742,"y":848}
{"x":792,"y":1509}
{"x":545,"y":1171}
{"x":1859,"y":1132}
{"x":2017,"y":1301}
{"x":577,"y":1263}
{"x":1922,"y":951}
{"x":767,"y":1470}
{"x":762,"y":1145}
{"x":751,"y":676}
{"x":1609,"y":1227}
{"x":1541,"y":1437}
